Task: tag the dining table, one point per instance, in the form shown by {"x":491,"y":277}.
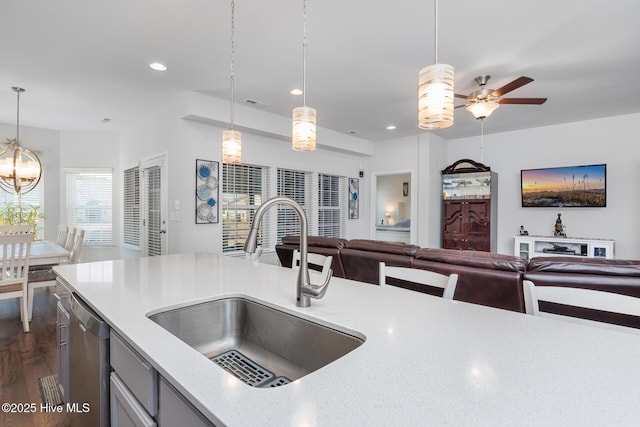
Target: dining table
{"x":47,"y":252}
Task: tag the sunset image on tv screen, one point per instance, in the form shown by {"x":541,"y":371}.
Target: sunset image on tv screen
{"x":576,"y":186}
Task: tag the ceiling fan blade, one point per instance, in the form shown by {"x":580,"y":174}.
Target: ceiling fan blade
{"x":520,"y":81}
{"x":536,"y":101}
{"x":457,"y":95}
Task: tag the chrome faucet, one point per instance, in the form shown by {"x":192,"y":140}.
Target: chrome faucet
{"x":304,"y":288}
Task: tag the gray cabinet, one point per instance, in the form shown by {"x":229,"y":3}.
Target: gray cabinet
{"x":62,"y":342}
{"x":175,"y":410}
{"x":134,"y":387}
{"x":126,"y":411}
{"x":62,"y":294}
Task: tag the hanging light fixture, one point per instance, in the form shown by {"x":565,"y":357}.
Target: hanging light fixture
{"x":20,"y":168}
{"x":304,"y":118}
{"x":231,"y":138}
{"x":482,"y":109}
{"x":435,"y":90}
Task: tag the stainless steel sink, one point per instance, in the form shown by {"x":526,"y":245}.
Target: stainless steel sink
{"x":262,"y":346}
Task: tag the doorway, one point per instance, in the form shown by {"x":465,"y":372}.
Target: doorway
{"x":153,"y":207}
{"x":392,"y":210}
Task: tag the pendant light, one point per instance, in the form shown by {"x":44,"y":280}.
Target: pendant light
{"x":435,"y":90}
{"x":231,"y":138}
{"x":304,"y":118}
{"x":20,"y":168}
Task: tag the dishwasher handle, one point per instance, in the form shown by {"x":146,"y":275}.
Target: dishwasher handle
{"x":88,"y":318}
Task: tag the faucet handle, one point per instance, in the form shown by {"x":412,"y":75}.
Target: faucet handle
{"x":317,"y":291}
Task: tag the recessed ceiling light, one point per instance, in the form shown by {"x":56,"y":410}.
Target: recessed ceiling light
{"x":158,"y":66}
{"x":391,"y":127}
{"x":295,"y":92}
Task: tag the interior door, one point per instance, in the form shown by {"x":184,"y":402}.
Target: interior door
{"x":154,"y":206}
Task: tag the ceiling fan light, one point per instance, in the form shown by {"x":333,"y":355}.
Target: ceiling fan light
{"x":435,"y":97}
{"x":483,"y":109}
{"x":304,"y":129}
{"x":231,"y":146}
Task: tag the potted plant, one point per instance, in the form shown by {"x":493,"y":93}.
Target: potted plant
{"x":22,"y":213}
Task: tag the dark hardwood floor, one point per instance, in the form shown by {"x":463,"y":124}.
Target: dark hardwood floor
{"x":26,"y":357}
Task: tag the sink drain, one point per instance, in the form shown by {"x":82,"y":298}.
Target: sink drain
{"x":248,"y":371}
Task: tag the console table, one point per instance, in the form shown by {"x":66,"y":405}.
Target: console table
{"x":531,"y":246}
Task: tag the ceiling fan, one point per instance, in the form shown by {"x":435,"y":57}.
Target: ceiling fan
{"x":485,"y":101}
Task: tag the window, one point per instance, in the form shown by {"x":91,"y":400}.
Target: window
{"x":331,"y":199}
{"x":296,"y":185}
{"x":244,"y":188}
{"x":9,"y":202}
{"x":89,"y":203}
{"x":131,"y":207}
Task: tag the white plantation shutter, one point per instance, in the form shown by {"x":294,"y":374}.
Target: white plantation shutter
{"x":244,"y":189}
{"x":89,"y":203}
{"x":131,"y":207}
{"x":331,"y":205}
{"x":296,"y":185}
{"x":153,"y":205}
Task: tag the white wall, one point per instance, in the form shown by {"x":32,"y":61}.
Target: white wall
{"x":185,"y":140}
{"x":610,"y":140}
{"x":423,"y":156}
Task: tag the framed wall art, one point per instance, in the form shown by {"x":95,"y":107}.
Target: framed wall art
{"x":354,"y":198}
{"x":207,"y":191}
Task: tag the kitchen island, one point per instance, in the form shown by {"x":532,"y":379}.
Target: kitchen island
{"x":425,"y":361}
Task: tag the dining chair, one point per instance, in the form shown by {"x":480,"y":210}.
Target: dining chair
{"x":15,"y":229}
{"x":322,"y":263}
{"x":71,"y":236}
{"x":16,"y":251}
{"x":62,"y":235}
{"x":42,"y":276}
{"x":421,"y":277}
{"x":584,"y":298}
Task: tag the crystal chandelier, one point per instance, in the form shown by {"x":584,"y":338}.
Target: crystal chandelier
{"x":231,"y":138}
{"x":304,"y":118}
{"x":20,"y":168}
{"x":435,"y":90}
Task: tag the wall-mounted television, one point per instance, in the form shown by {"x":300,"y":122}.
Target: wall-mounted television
{"x":566,"y":187}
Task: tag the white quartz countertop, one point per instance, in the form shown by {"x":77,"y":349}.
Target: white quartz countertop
{"x":425,"y":361}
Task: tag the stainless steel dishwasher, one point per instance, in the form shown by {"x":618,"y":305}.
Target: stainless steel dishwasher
{"x":89,"y":366}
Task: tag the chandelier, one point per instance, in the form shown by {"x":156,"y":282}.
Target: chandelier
{"x":20,"y":168}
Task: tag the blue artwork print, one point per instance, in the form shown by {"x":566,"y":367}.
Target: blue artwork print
{"x":207,"y":192}
{"x":354,"y":202}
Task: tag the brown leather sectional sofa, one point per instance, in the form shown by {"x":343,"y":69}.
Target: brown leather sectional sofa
{"x":609,"y":275}
{"x":485,"y":278}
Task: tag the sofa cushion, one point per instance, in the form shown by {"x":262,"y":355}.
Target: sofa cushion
{"x":486,"y":260}
{"x":316,"y":241}
{"x":608,"y":267}
{"x":396,"y":248}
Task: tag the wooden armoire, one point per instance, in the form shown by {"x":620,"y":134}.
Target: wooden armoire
{"x":469,"y":206}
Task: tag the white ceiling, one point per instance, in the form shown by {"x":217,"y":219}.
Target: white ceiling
{"x":81,"y":61}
